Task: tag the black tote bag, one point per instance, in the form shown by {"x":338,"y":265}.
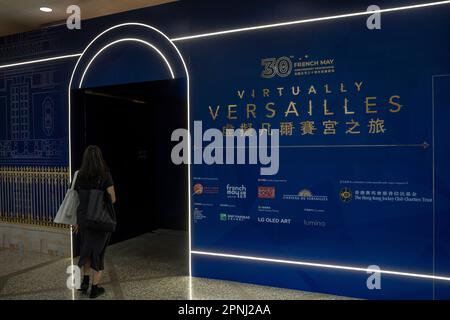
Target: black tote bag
{"x":100,"y":214}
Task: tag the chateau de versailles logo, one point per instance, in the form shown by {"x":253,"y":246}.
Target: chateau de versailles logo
{"x":299,"y":66}
{"x":305,"y":195}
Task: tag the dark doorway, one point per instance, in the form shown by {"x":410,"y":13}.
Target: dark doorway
{"x":132,"y":124}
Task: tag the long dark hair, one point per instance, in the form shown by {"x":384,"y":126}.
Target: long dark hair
{"x":93,"y":167}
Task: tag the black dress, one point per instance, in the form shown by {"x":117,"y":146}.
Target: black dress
{"x":93,"y":243}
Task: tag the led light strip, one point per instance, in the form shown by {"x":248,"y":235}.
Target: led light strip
{"x":434,"y":168}
{"x":321,"y":265}
{"x":126,"y":40}
{"x":71,"y":261}
{"x":273,"y":25}
{"x":290,"y":23}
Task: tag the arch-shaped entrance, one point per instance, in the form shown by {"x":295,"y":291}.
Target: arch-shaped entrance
{"x":131,"y":30}
{"x":88,"y":101}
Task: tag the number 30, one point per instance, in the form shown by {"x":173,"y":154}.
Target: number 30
{"x":281,"y":67}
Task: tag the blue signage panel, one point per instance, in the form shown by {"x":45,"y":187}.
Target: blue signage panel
{"x":355,"y":182}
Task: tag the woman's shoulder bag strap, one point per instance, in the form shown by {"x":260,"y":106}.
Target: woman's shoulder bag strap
{"x":74,"y":180}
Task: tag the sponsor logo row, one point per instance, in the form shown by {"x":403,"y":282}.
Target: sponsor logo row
{"x":239,"y":218}
{"x":345,"y":194}
{"x":225,"y":217}
{"x":262,"y":192}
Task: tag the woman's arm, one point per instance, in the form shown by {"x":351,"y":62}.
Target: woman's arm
{"x":112,"y":193}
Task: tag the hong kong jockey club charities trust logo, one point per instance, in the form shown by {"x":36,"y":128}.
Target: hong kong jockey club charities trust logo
{"x":346,"y":195}
{"x":266,"y":192}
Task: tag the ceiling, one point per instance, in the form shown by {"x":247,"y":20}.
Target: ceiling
{"x":24,"y":15}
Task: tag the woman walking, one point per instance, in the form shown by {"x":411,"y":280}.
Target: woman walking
{"x":93,"y":174}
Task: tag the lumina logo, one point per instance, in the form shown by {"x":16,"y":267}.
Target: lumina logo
{"x":236,"y":147}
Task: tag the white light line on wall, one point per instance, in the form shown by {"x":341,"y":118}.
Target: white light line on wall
{"x":295,"y":22}
{"x":320,"y":265}
{"x":126,"y":40}
{"x":281,"y":24}
{"x":18,"y":64}
{"x":71,"y":260}
{"x":434,"y":183}
{"x":274,"y":25}
{"x":434,"y":170}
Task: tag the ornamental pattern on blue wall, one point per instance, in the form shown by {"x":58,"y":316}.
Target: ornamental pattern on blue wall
{"x":33,"y":110}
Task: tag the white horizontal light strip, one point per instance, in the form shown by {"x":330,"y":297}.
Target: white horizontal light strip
{"x":126,"y":40}
{"x":39,"y":60}
{"x":288,"y":23}
{"x":273,"y":25}
{"x":321,"y":265}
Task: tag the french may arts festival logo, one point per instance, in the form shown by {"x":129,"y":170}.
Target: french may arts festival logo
{"x":299,"y":66}
{"x":236,"y":192}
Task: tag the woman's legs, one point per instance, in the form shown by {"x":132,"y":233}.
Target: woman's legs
{"x":96,"y":278}
{"x":87,"y":267}
{"x":86,"y":273}
{"x":96,"y":290}
{"x":97,"y":266}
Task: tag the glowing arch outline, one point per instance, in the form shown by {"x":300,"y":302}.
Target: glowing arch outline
{"x":188,"y":108}
{"x":126,"y":40}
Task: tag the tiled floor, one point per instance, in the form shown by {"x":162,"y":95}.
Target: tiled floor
{"x":146,"y":267}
